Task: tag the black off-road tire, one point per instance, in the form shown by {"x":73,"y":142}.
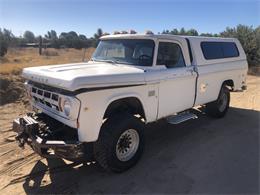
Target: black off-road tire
{"x":105,"y":147}
{"x":219,"y":108}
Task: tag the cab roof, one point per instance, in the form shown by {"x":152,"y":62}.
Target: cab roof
{"x":163,"y":36}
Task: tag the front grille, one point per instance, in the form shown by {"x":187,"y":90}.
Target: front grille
{"x":46,"y":98}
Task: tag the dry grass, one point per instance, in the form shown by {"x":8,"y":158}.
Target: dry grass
{"x":19,"y":58}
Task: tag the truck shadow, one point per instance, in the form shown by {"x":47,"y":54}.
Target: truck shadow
{"x":200,"y":156}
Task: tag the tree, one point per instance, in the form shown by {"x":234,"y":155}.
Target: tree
{"x":165,"y":32}
{"x":175,"y":31}
{"x":73,"y":40}
{"x":51,"y":35}
{"x":206,"y":35}
{"x":3,"y":44}
{"x":192,"y":32}
{"x":182,"y":31}
{"x":85,"y":42}
{"x":67,"y":39}
{"x":82,"y":37}
{"x":6,"y":38}
{"x":29,"y":36}
{"x":98,"y":34}
{"x":257,"y":34}
{"x":248,"y":39}
{"x":73,"y":35}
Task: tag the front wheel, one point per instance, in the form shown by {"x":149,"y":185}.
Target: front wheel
{"x":120,"y":143}
{"x":219,"y":108}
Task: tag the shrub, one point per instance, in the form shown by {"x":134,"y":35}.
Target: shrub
{"x":3,"y":48}
{"x":50,"y":53}
{"x":6,"y":38}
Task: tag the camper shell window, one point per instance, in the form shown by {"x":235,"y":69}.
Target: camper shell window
{"x":219,"y":50}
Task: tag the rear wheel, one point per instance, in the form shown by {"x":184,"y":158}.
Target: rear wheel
{"x":219,"y":107}
{"x":120,"y":143}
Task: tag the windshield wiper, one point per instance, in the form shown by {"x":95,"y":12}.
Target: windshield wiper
{"x":109,"y":61}
{"x":123,"y":62}
{"x":112,"y":61}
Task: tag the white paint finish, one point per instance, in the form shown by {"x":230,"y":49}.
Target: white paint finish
{"x":85,"y":75}
{"x":212,"y":77}
{"x":96,"y":102}
{"x":176,"y":91}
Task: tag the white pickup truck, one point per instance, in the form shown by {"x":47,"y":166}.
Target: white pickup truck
{"x":98,"y":110}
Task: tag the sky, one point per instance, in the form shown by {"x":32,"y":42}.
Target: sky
{"x":84,"y":17}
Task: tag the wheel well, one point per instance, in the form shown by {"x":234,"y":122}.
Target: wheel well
{"x":229,"y":83}
{"x":131,"y":105}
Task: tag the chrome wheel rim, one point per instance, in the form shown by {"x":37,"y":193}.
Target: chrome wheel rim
{"x":127,"y":145}
{"x":223,"y":102}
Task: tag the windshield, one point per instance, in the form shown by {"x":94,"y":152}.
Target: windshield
{"x":126,"y":51}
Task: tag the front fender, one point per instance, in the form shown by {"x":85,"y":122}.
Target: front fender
{"x":94,"y":105}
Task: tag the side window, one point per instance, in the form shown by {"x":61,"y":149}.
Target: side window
{"x":170,"y":55}
{"x":230,"y":49}
{"x":218,"y":50}
{"x":211,"y":50}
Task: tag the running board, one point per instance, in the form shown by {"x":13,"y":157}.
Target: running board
{"x":181,"y":117}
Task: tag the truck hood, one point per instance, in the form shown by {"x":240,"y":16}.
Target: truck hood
{"x":85,"y":75}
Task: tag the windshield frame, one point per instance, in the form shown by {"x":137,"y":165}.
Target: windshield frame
{"x":126,"y":63}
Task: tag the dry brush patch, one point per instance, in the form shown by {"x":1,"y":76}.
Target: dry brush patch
{"x":11,"y":89}
{"x":19,"y":58}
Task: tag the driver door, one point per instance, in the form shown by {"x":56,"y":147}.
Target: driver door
{"x":177,"y":86}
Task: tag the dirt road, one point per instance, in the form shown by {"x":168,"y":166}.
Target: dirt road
{"x":206,"y":156}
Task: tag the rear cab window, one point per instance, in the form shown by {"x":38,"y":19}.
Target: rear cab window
{"x":219,"y":50}
{"x":170,"y":55}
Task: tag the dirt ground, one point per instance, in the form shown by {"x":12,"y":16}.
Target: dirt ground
{"x":205,"y":155}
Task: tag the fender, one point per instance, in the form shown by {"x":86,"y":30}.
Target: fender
{"x":94,"y":105}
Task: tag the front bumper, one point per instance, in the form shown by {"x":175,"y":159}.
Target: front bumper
{"x":41,"y":138}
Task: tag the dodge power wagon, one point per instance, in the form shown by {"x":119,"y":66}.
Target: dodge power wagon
{"x":97,"y":110}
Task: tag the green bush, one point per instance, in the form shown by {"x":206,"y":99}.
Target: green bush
{"x":3,"y":48}
{"x":3,"y":42}
{"x":5,"y":39}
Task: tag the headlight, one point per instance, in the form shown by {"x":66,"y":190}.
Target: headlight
{"x":67,"y":107}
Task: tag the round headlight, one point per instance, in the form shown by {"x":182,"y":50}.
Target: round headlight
{"x":67,"y":107}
